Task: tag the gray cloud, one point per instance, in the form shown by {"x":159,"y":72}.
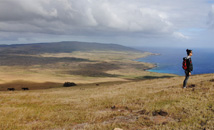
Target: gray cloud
{"x":210,"y":21}
{"x":100,"y":17}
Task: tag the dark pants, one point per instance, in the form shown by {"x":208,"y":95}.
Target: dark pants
{"x":186,"y":78}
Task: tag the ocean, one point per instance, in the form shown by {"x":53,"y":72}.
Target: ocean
{"x":170,"y":60}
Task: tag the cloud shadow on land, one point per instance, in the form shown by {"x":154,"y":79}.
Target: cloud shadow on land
{"x":92,"y":73}
{"x":20,"y":84}
{"x":96,"y":70}
{"x":19,"y":60}
{"x":153,"y":77}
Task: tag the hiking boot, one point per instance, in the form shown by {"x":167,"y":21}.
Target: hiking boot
{"x":184,"y":87}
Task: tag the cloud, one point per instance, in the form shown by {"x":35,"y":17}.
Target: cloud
{"x":68,"y":16}
{"x":210,"y":21}
{"x":180,"y":35}
{"x":100,"y":17}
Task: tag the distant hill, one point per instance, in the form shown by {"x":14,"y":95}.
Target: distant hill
{"x":60,"y":47}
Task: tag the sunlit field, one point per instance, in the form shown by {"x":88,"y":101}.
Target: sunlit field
{"x":148,"y":104}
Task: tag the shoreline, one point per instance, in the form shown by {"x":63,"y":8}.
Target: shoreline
{"x":152,"y":54}
{"x":152,"y":69}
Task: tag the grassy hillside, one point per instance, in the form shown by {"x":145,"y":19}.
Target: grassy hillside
{"x":77,"y":62}
{"x":113,"y":90}
{"x":79,"y":66}
{"x":148,"y":104}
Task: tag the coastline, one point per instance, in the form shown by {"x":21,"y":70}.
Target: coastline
{"x":170,"y":60}
{"x":156,"y":67}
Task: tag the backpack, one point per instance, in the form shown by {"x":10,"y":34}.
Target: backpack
{"x":184,"y":64}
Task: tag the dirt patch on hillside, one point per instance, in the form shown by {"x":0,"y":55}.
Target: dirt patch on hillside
{"x":128,"y":116}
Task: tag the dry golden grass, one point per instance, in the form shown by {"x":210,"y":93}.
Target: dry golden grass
{"x":41,"y":75}
{"x":148,"y":104}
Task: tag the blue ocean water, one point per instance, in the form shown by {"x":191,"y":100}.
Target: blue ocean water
{"x":170,"y":60}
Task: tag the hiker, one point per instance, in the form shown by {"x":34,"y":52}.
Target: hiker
{"x":187,"y":66}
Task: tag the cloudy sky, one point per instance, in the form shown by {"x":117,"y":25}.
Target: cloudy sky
{"x":129,"y":22}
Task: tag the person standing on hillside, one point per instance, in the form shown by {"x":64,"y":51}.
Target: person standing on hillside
{"x":188,"y":67}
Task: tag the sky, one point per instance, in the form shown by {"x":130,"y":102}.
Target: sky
{"x":159,"y":23}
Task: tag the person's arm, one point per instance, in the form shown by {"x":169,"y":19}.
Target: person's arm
{"x":188,"y":66}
